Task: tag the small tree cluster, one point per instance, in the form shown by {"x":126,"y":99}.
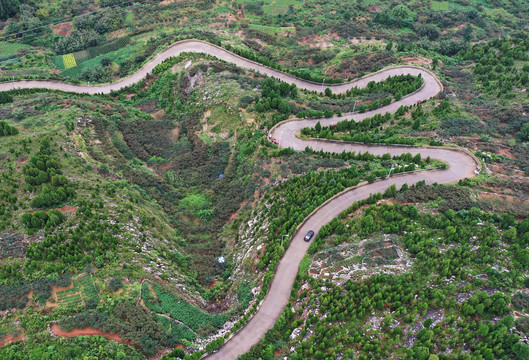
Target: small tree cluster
{"x":40,"y":219}
{"x":6,"y":129}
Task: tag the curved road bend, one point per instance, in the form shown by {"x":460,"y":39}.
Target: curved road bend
{"x":461,"y":165}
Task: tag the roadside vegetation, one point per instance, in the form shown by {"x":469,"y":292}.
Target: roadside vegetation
{"x":116,"y":209}
{"x":383,"y":312}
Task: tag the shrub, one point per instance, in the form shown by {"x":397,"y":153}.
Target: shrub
{"x":115,"y":284}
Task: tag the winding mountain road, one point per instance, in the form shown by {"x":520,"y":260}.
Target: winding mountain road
{"x":461,"y":165}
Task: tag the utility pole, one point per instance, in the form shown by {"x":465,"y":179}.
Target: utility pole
{"x":283,"y":238}
{"x":323,"y":82}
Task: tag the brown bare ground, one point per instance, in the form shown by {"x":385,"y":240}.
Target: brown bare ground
{"x":174,"y":135}
{"x":8,"y":339}
{"x":67,"y":209}
{"x":416,"y":60}
{"x":116,"y":293}
{"x":62,"y":29}
{"x":54,"y":290}
{"x":158,"y":115}
{"x":320,"y":41}
{"x":88,"y":331}
{"x":506,"y":152}
{"x":117,"y":34}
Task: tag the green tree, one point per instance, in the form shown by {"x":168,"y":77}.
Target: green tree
{"x":524,"y":132}
{"x":8,"y":8}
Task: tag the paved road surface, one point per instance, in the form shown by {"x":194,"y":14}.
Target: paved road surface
{"x":461,"y":165}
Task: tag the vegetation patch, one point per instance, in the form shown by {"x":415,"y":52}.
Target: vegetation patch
{"x":8,"y":48}
{"x":69,"y":61}
{"x":440,"y":5}
{"x":179,"y":309}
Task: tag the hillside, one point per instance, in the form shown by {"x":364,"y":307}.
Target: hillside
{"x":158,"y":215}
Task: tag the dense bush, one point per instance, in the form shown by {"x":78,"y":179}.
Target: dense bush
{"x":115,"y":284}
{"x":5,"y":98}
{"x":41,"y":219}
{"x":44,"y":168}
{"x":273,"y":93}
{"x":7,"y":130}
{"x":78,"y":40}
{"x":520,"y":301}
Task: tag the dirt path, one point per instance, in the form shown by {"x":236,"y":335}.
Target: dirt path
{"x":8,"y":339}
{"x":88,"y":331}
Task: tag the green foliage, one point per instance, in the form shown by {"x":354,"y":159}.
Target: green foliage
{"x":399,"y":299}
{"x":303,"y":74}
{"x":115,"y":284}
{"x":244,"y":295}
{"x":6,"y":129}
{"x":481,"y":304}
{"x":353,"y":131}
{"x":179,"y":309}
{"x":8,"y":8}
{"x":5,"y":98}
{"x":494,"y":68}
{"x":40,"y":219}
{"x":524,"y":132}
{"x":81,"y":245}
{"x":272,"y":94}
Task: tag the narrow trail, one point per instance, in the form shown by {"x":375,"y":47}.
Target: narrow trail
{"x":461,"y":163}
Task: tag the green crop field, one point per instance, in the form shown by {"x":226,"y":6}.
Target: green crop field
{"x":89,"y":289}
{"x":70,"y":298}
{"x":117,"y":56}
{"x":273,"y":30}
{"x":440,"y":5}
{"x":181,"y":310}
{"x":69,"y":61}
{"x":129,"y":17}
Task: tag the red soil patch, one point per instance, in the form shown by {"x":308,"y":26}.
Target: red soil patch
{"x":62,"y":29}
{"x":505,"y":152}
{"x":8,"y":339}
{"x":165,"y":167}
{"x":117,"y":34}
{"x":416,"y":60}
{"x":54,"y":290}
{"x":213,"y":284}
{"x":86,"y":332}
{"x":64,"y":209}
{"x":67,"y":209}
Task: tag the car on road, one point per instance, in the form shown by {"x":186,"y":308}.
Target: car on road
{"x":309,"y":235}
{"x":275,"y":141}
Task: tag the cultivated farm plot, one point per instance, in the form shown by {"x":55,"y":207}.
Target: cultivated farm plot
{"x":70,"y":298}
{"x":117,"y":56}
{"x":177,"y":308}
{"x":87,"y":284}
{"x":69,"y":61}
